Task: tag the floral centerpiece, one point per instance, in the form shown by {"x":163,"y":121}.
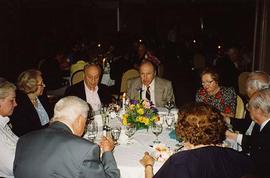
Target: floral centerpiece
{"x":142,"y":113}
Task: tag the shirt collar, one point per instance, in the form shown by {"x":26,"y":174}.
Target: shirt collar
{"x":152,"y":84}
{"x":88,"y":90}
{"x":264,"y":123}
{"x":3,"y":121}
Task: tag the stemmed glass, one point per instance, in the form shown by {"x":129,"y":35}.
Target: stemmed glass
{"x":156,"y":129}
{"x":169,"y":119}
{"x":169,"y":105}
{"x":115,"y":132}
{"x":92,"y":130}
{"x":130,"y":131}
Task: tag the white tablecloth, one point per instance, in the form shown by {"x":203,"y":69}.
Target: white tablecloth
{"x":128,"y":156}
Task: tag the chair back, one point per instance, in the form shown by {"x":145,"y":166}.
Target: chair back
{"x":129,"y":74}
{"x":242,"y":82}
{"x":77,"y":77}
{"x":240,"y":108}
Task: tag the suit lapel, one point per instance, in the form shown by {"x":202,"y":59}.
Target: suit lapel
{"x":158,"y":91}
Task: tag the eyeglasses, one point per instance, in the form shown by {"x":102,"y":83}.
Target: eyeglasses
{"x":207,"y":82}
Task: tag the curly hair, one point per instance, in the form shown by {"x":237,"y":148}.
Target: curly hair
{"x":199,"y":123}
{"x":27,"y":81}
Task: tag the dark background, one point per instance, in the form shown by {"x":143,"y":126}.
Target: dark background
{"x":33,"y":29}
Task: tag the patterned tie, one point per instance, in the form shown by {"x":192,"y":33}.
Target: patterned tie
{"x":148,"y":95}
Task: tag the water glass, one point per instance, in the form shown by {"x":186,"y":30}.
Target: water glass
{"x":169,"y":120}
{"x":130,"y":131}
{"x":157,"y":129}
{"x":115,"y":132}
{"x":92,"y":130}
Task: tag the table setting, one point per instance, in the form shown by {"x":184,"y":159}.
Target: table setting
{"x":136,"y":127}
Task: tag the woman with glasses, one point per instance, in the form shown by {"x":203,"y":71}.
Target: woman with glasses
{"x":221,"y":98}
{"x":33,"y":111}
{"x":8,"y":139}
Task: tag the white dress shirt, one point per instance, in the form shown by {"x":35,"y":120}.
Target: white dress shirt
{"x":8,"y":141}
{"x":92,"y":98}
{"x":152,"y":91}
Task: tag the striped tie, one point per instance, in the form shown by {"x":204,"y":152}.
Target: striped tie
{"x":148,"y":95}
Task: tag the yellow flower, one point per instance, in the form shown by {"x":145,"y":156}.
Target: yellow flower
{"x":146,"y":121}
{"x":132,"y":107}
{"x":140,"y":111}
{"x":125,"y":119}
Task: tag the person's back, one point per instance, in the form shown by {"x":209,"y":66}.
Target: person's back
{"x":56,"y":152}
{"x":206,"y":162}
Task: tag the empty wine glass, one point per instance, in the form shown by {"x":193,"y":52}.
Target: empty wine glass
{"x":92,"y":130}
{"x":169,"y":119}
{"x":156,"y":129}
{"x":169,"y":105}
{"x":115,"y":132}
{"x":130,"y":131}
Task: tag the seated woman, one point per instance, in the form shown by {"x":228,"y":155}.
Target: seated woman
{"x":221,"y":98}
{"x":8,"y":139}
{"x":203,"y":130}
{"x":33,"y":111}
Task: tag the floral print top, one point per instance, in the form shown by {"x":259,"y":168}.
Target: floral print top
{"x":224,"y":100}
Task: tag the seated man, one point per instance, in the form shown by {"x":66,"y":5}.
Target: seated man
{"x":149,"y":86}
{"x":90,"y":89}
{"x":256,"y":81}
{"x":258,"y":144}
{"x":59,"y":150}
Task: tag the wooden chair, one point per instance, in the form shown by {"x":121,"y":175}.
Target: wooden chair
{"x":242,"y":83}
{"x":240,"y":108}
{"x":77,"y":77}
{"x":129,"y":74}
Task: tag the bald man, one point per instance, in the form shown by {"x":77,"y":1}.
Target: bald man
{"x":149,"y":86}
{"x":90,"y":89}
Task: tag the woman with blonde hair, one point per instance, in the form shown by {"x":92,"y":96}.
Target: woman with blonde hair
{"x":8,"y":139}
{"x":33,"y":111}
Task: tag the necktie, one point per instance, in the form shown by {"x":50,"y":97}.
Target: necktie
{"x":255,"y":130}
{"x":148,"y":95}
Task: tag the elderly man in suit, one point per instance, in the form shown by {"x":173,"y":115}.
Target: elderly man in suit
{"x":59,"y":150}
{"x":149,"y":86}
{"x":90,"y":89}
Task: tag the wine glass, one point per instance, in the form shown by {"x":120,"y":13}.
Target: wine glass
{"x":92,"y":130}
{"x":115,"y":132}
{"x":169,"y":119}
{"x":169,"y":105}
{"x":157,"y":129}
{"x":130,"y":131}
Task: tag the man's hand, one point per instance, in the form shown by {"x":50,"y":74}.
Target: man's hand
{"x":231,"y":135}
{"x":106,"y":144}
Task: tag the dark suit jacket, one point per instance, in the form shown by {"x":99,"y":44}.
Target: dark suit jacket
{"x":79,"y":90}
{"x":25,"y":117}
{"x":241,"y":125}
{"x":206,"y":162}
{"x":258,"y":144}
{"x":56,"y":152}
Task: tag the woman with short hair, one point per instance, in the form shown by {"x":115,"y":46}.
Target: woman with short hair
{"x":221,"y":98}
{"x":202,"y":129}
{"x":33,"y":111}
{"x":8,"y":139}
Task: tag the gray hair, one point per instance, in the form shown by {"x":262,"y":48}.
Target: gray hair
{"x":257,"y":80}
{"x":69,"y":109}
{"x":5,"y":88}
{"x":261,"y":100}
